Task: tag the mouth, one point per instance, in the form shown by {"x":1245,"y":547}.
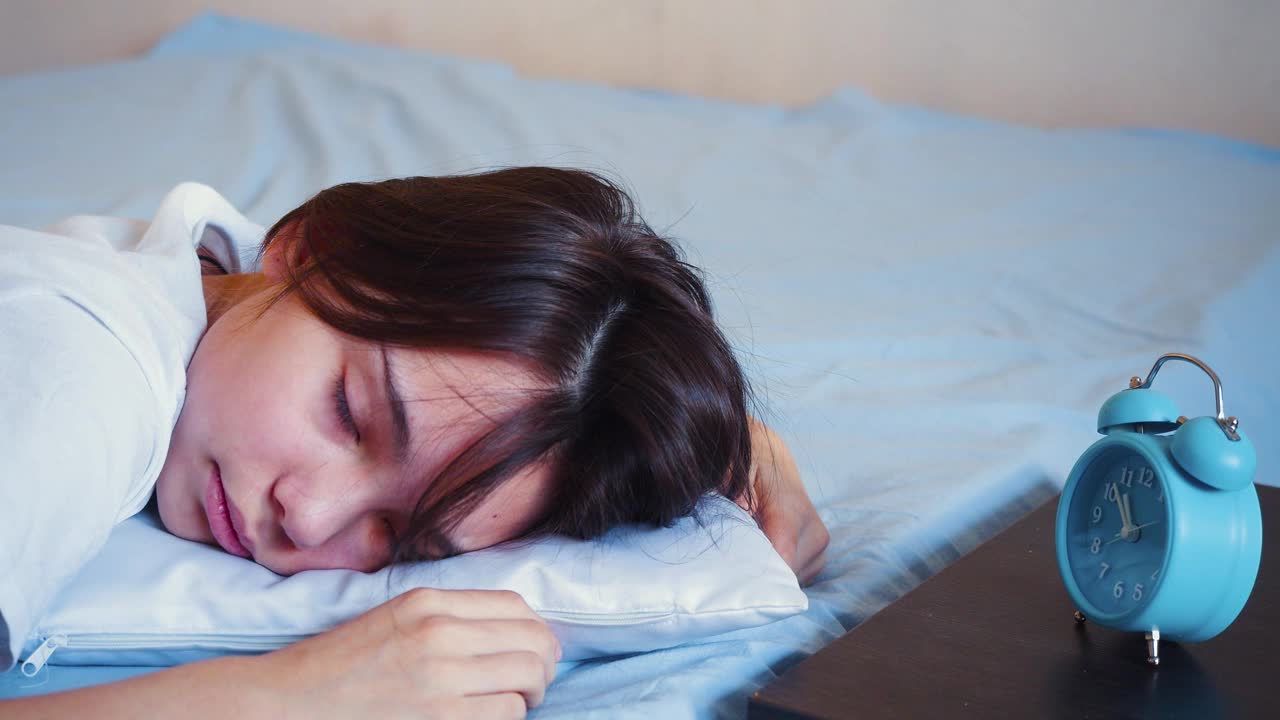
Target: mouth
{"x":220,"y":513}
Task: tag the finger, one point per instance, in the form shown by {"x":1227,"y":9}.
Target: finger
{"x":476,"y":604}
{"x":443,"y":635}
{"x":518,"y":672}
{"x":500,"y":706}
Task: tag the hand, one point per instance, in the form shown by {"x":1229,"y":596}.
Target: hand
{"x":424,"y":654}
{"x":782,"y":506}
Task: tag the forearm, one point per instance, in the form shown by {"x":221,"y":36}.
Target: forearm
{"x":227,"y":687}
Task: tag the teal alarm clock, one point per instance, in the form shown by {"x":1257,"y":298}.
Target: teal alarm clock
{"x":1159,"y":530}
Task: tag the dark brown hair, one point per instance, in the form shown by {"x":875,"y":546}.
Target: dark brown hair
{"x":645,"y":410}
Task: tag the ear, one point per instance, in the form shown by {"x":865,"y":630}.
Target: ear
{"x":284,"y":252}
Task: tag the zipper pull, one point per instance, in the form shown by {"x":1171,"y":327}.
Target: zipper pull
{"x":37,"y":659}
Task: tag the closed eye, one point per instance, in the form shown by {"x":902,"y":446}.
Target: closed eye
{"x":343,"y":408}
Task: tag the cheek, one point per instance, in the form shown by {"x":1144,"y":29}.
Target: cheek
{"x":507,"y":513}
{"x":256,"y":378}
{"x":362,"y":548}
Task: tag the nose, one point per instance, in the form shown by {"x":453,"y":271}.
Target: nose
{"x":314,"y":507}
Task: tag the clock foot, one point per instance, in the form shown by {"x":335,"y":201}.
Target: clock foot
{"x":1153,"y":647}
{"x":1079,"y":616}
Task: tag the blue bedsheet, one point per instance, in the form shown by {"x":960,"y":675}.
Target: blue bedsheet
{"x":932,"y":307}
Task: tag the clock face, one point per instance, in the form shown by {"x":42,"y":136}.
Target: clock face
{"x":1118,"y":531}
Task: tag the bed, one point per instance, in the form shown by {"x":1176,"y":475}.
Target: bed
{"x":932,"y":307}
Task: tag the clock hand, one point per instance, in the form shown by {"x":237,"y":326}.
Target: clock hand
{"x":1128,"y":510}
{"x":1121,"y":535}
{"x":1124,"y":515}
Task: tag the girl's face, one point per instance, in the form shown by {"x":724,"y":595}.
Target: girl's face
{"x":320,"y":443}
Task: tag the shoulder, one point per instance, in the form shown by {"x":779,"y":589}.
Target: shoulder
{"x":73,"y":393}
{"x":73,"y":388}
{"x":50,"y":339}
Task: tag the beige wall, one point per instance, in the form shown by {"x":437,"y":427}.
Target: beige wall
{"x":1209,"y":65}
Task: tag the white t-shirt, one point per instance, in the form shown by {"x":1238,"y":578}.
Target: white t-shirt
{"x":99,"y":317}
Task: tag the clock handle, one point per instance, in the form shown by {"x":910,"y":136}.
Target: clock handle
{"x":1228,"y":424}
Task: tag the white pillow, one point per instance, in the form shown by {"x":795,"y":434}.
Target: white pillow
{"x":150,"y":598}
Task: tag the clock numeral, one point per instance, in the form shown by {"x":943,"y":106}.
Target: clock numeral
{"x":1097,"y":514}
{"x":1154,"y":574}
{"x":1146,"y":476}
{"x":1096,"y":546}
{"x":1126,"y":476}
{"x":1160,"y":497}
{"x":1105,"y":568}
{"x":1112,"y":492}
{"x":1117,"y":590}
{"x":1137,"y":592}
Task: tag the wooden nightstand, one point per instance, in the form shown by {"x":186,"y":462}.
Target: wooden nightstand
{"x":992,"y":636}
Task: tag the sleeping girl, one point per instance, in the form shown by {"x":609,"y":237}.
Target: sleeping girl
{"x":422,"y":367}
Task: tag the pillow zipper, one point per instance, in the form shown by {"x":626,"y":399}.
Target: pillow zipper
{"x":41,"y":655}
{"x":266,"y":643}
{"x":135,"y":641}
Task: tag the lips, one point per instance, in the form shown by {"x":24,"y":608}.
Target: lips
{"x":222,"y":516}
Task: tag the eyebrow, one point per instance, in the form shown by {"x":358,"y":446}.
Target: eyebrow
{"x":395,"y":403}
